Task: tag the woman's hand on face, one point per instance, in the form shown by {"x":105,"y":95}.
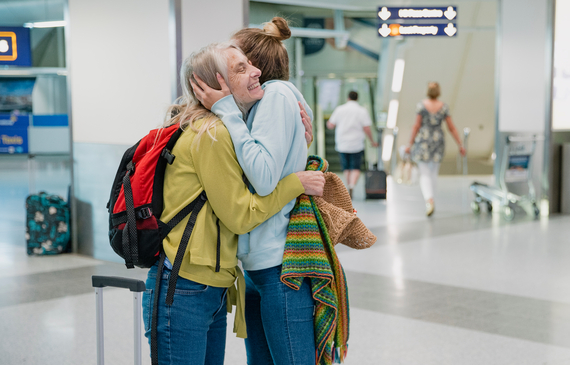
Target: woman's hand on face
{"x":208,"y":96}
{"x":307,"y":123}
{"x":313,"y":182}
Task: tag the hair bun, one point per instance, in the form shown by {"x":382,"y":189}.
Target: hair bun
{"x":278,"y":28}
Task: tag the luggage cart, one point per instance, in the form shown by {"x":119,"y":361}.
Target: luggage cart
{"x":516,"y":167}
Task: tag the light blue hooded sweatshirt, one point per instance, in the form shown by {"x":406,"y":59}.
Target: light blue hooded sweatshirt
{"x":269,"y":146}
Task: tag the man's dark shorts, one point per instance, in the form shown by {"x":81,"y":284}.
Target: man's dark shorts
{"x":351,"y":161}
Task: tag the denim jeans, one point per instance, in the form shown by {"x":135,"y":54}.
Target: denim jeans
{"x":279,"y":320}
{"x":193,"y":329}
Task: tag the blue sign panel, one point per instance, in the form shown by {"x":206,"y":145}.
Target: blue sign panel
{"x":448,"y":13}
{"x":57,"y":120}
{"x":14,"y":120}
{"x":422,"y":30}
{"x":15,"y":47}
{"x":14,"y":133}
{"x":13,"y":140}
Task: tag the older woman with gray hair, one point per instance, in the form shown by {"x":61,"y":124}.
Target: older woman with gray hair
{"x":193,"y":329}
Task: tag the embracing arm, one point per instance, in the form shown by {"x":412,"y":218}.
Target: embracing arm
{"x":221,"y":176}
{"x":307,"y":122}
{"x":262,"y":153}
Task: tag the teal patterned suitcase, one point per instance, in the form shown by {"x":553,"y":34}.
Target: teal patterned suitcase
{"x":47,"y":224}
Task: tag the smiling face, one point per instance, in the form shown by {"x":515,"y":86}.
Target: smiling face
{"x":243,"y":79}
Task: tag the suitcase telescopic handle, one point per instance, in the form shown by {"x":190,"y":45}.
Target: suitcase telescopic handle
{"x":118,"y":282}
{"x":136,"y":287}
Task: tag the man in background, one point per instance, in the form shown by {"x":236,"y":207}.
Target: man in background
{"x":352,"y":124}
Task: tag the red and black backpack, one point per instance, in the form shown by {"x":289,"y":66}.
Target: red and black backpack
{"x":136,"y":203}
{"x":135,"y":206}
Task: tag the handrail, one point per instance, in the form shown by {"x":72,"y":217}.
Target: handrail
{"x":462,"y":160}
{"x":394,"y":156}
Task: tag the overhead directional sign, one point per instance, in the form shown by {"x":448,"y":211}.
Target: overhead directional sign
{"x":395,"y":30}
{"x":448,"y":13}
{"x":417,"y":21}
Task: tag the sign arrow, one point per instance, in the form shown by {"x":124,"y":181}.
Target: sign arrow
{"x":450,"y":13}
{"x":450,"y":30}
{"x":384,"y":30}
{"x":384,"y":13}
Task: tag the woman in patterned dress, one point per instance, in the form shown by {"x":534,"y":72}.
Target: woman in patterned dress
{"x":427,"y":142}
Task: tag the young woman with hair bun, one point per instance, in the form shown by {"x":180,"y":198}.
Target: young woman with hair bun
{"x":193,"y":329}
{"x":270,"y":142}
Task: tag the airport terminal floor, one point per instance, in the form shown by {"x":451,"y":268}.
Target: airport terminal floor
{"x":453,"y":289}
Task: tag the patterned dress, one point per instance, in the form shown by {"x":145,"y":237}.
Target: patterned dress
{"x":429,"y":144}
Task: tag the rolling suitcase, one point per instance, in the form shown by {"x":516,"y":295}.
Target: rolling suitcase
{"x":47,"y":224}
{"x":137,"y":287}
{"x":375,"y":184}
{"x":375,"y":181}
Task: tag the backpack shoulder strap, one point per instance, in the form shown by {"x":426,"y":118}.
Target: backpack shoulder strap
{"x":196,"y":206}
{"x":154,"y":324}
{"x":193,"y":208}
{"x":130,"y":231}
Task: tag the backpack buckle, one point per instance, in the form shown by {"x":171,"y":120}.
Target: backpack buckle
{"x":145,"y":213}
{"x":131,"y":167}
{"x":169,"y":157}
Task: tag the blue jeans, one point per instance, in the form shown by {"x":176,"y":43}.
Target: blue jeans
{"x":279,"y":320}
{"x":351,"y":161}
{"x":193,"y":329}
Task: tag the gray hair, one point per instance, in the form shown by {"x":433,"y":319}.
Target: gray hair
{"x":187,"y":109}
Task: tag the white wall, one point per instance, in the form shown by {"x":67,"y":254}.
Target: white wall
{"x":119,"y":62}
{"x":204,"y":22}
{"x":561,"y":95}
{"x":522,"y":66}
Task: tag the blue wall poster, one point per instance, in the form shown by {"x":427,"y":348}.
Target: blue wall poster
{"x":14,"y":133}
{"x":16,"y":94}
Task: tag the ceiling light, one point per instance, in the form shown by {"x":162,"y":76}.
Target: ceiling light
{"x":398,"y":75}
{"x":53,"y":24}
{"x":387,"y":145}
{"x":392,"y":113}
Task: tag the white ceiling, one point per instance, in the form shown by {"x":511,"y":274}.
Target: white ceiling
{"x":18,"y":12}
{"x":366,"y":5}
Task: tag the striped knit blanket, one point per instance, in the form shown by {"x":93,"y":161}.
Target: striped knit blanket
{"x":310,"y":253}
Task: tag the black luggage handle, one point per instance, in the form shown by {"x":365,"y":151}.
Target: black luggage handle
{"x":133,"y":285}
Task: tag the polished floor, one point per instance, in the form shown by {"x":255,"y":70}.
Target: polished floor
{"x":453,"y":289}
